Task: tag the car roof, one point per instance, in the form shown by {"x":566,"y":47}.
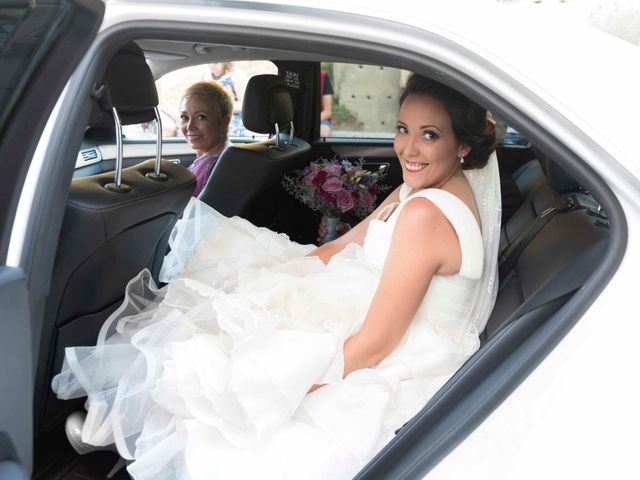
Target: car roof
{"x":588,"y":76}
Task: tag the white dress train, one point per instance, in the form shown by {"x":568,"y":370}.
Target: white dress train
{"x":208,"y":376}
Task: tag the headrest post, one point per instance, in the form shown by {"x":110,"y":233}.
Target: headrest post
{"x":158,"y":140}
{"x":156,"y":175}
{"x":277,"y":144}
{"x":119,"y":146}
{"x":291,"y":133}
{"x":118,"y":186}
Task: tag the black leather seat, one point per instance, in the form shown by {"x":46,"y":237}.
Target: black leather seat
{"x":539,"y":201}
{"x":529,"y":177}
{"x":246,"y":179}
{"x":107,"y":236}
{"x":557,"y":254}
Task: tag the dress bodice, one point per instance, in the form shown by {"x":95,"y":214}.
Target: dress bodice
{"x":378,"y":238}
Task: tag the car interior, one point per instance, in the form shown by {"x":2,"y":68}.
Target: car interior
{"x":119,"y":214}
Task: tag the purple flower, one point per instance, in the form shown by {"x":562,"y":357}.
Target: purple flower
{"x":335,"y":186}
{"x":344,"y":200}
{"x":332,"y":185}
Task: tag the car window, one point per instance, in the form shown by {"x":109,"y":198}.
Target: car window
{"x":231,"y":75}
{"x":26,"y":33}
{"x":359,"y":101}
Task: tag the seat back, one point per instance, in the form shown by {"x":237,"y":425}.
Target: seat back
{"x":108,"y":234}
{"x":533,"y":206}
{"x":555,"y":260}
{"x":246,"y":179}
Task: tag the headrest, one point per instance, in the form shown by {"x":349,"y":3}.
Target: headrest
{"x":129,"y":86}
{"x":559,"y":179}
{"x":267,"y":101}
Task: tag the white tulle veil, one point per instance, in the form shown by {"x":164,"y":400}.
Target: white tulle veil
{"x":485,"y":184}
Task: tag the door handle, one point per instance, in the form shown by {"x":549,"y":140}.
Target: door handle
{"x":383,"y":168}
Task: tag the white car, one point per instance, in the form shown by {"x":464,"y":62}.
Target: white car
{"x":550,"y":394}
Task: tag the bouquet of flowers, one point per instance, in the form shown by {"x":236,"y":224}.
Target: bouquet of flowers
{"x":335,"y":187}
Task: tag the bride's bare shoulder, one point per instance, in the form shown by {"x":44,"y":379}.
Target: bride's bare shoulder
{"x":461,"y":188}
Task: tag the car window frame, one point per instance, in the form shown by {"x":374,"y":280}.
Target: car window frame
{"x":478,"y":382}
{"x":25,"y":270}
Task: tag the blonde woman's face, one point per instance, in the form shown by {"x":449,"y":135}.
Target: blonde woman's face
{"x":200,"y":125}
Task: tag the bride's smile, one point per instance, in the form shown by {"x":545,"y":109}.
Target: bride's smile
{"x":415,"y":167}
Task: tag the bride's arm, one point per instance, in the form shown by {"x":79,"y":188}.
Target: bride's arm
{"x":355,"y":235}
{"x":423,"y":244}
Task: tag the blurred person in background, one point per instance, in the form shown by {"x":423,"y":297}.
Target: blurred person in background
{"x":326,"y":103}
{"x":235,"y":83}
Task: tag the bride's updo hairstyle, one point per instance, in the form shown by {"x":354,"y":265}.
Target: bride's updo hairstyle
{"x":472,"y":125}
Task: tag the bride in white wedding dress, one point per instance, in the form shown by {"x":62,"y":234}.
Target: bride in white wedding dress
{"x":263,"y":358}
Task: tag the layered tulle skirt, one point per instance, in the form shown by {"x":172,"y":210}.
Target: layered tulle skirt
{"x":208,"y":376}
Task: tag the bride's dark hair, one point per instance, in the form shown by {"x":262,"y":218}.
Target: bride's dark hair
{"x":470,"y":122}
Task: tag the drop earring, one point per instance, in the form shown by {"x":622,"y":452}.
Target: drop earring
{"x":462,"y":160}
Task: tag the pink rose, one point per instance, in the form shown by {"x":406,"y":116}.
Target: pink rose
{"x":332,"y":185}
{"x":367,"y":200}
{"x":344,"y":201}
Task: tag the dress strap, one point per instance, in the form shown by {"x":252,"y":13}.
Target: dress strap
{"x":386,"y":212}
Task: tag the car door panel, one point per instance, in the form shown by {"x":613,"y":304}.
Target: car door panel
{"x":374,"y":155}
{"x":41,"y":45}
{"x":16,"y":382}
{"x":380,"y":153}
{"x":134,"y":153}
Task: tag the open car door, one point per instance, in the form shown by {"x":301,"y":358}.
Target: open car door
{"x":41,"y":43}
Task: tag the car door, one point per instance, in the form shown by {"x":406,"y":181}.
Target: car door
{"x":40,"y":46}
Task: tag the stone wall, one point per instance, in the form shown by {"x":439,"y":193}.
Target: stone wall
{"x":366,"y":97}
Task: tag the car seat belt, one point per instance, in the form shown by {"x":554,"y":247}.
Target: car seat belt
{"x":570,"y":279}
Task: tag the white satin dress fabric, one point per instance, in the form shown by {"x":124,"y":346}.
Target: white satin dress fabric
{"x":207,"y":378}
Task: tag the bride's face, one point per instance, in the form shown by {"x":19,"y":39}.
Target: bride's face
{"x":428,"y":151}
